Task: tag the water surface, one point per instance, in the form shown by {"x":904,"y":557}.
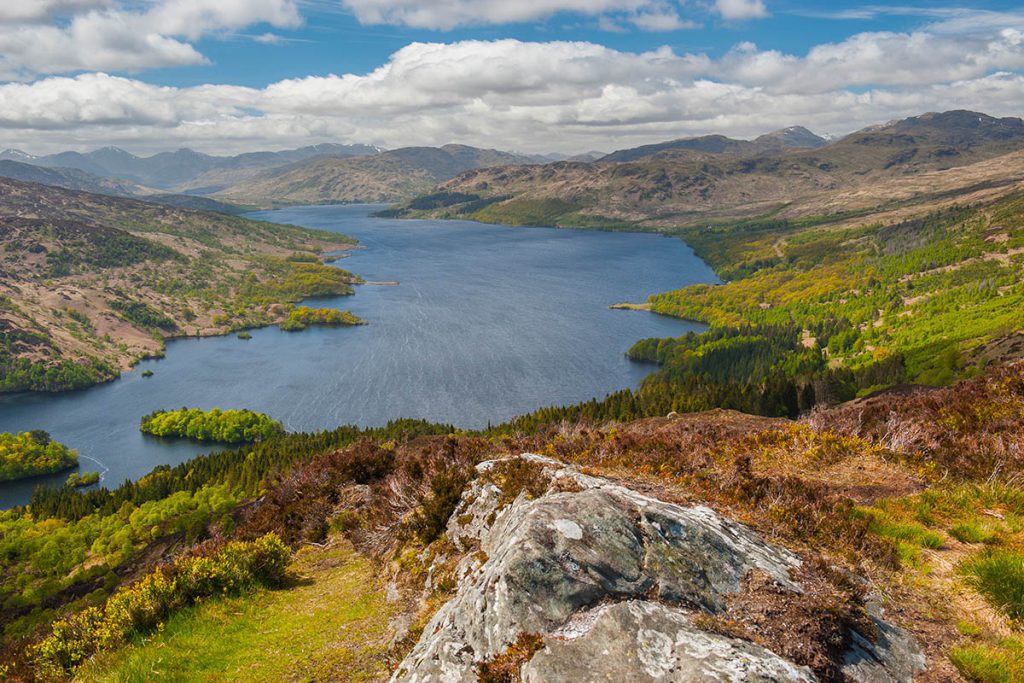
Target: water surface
{"x":488,"y":322}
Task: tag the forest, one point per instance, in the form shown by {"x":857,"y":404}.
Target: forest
{"x":32,"y":453}
{"x":303,"y":316}
{"x":221,"y":426}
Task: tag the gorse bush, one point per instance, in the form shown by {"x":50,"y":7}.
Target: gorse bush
{"x":145,"y":604}
{"x":222,"y":426}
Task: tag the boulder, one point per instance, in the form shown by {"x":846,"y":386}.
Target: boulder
{"x":611,"y":580}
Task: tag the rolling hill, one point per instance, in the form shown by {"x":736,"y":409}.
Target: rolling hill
{"x":795,"y":137}
{"x":75,"y":179}
{"x":718,"y":180}
{"x":90,"y":283}
{"x":184,"y":170}
{"x":390,"y":176}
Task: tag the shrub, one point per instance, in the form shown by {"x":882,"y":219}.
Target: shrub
{"x":445,"y":491}
{"x":145,"y":604}
{"x":304,"y":316}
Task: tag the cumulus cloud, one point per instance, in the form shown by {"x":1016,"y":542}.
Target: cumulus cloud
{"x":741,"y":9}
{"x":534,"y":97}
{"x":18,"y":11}
{"x":652,"y":15}
{"x":101,"y":35}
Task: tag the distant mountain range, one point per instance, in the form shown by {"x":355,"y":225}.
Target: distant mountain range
{"x":787,"y":174}
{"x":75,"y":179}
{"x":796,"y":137}
{"x":386,"y":177}
{"x":184,"y":170}
{"x":792,"y":170}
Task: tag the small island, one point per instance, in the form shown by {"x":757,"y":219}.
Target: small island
{"x":29,"y":454}
{"x":304,"y":316}
{"x":221,"y":426}
{"x":77,"y":480}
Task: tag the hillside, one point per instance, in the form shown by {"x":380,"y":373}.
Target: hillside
{"x":795,"y":137}
{"x":867,"y":542}
{"x":74,"y":179}
{"x":91,"y":283}
{"x":870,"y":169}
{"x":184,"y":170}
{"x":390,"y":176}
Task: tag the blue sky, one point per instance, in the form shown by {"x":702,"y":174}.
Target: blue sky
{"x":225,"y":76}
{"x":332,"y":40}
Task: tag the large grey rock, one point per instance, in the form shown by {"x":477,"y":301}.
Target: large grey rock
{"x":592,"y":550}
{"x":641,"y":641}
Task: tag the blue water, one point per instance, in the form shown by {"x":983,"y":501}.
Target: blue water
{"x":488,"y":322}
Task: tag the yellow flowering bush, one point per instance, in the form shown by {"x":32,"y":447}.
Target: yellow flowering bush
{"x":145,"y":604}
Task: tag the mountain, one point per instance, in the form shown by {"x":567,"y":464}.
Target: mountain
{"x":68,"y":178}
{"x":389,"y":176}
{"x":796,"y":137}
{"x":184,"y":170}
{"x":90,"y":283}
{"x":74,"y":179}
{"x":711,"y":144}
{"x":715,"y":179}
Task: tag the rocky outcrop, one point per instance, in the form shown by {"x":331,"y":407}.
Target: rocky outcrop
{"x":620,"y":587}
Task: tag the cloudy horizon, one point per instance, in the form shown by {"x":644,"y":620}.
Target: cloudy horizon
{"x":538,"y":76}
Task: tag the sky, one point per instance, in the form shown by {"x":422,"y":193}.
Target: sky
{"x":534,"y":76}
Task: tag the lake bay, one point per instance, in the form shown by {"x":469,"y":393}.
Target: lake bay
{"x":488,"y":322}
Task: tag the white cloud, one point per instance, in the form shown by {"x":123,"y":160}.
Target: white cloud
{"x":536,"y":97}
{"x":99,"y":35}
{"x":741,"y":9}
{"x":653,"y":15}
{"x":20,"y":11}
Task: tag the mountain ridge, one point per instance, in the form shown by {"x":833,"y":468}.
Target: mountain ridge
{"x":684,"y":186}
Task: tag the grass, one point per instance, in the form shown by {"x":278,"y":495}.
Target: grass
{"x":332,"y":625}
{"x":882,"y":524}
{"x":986,"y":518}
{"x":1002,"y":662}
{"x":999,"y":576}
{"x":974,"y":531}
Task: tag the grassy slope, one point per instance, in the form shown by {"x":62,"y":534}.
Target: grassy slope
{"x":92,"y":283}
{"x":936,"y":289}
{"x":895,"y":488}
{"x":332,"y":625}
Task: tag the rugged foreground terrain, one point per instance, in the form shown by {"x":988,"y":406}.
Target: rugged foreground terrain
{"x":880,"y":540}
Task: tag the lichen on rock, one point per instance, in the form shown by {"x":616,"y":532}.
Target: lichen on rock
{"x":612,"y":580}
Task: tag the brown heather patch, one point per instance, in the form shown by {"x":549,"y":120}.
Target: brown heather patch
{"x":812,"y":628}
{"x":971,"y":430}
{"x":505,"y":667}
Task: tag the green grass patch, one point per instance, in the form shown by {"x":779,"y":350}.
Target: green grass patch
{"x":535,"y":212}
{"x":999,"y":576}
{"x":990,"y":663}
{"x":908,"y":532}
{"x":331,"y":626}
{"x":974,"y":531}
